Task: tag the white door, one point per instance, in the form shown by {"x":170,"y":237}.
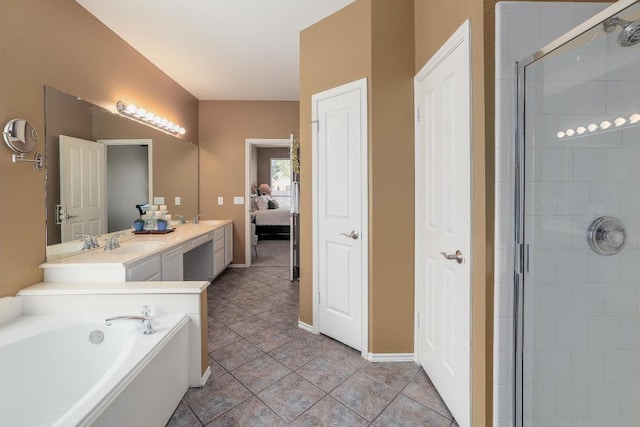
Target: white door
{"x":83,"y":170}
{"x":443,"y":217}
{"x":340,"y":212}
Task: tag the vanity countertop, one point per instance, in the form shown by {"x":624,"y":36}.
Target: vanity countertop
{"x":107,"y":288}
{"x":118,"y":258}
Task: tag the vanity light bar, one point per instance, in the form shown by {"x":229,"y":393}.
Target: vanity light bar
{"x":603,"y":125}
{"x":147,"y":117}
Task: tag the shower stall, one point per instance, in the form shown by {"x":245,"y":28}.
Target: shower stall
{"x":576,"y":258}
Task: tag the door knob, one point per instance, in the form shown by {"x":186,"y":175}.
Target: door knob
{"x":457,"y":256}
{"x":353,"y":235}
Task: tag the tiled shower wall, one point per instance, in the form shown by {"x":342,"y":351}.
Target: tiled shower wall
{"x":521,"y":29}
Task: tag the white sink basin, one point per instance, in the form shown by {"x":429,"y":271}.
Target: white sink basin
{"x":138,"y":247}
{"x":62,"y":249}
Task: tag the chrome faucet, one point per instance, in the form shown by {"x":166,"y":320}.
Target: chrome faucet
{"x":113,"y":243}
{"x":145,"y":319}
{"x":181,"y":219}
{"x":196,"y":219}
{"x":90,"y":242}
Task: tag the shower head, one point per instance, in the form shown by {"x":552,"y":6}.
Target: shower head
{"x":630,"y":33}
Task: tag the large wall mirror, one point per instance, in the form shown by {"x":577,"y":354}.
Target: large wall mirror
{"x":123,"y":163}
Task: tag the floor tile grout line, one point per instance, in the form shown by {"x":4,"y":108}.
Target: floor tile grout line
{"x":272,"y":410}
{"x":362,"y":415}
{"x":428,"y":407}
{"x":192,"y":411}
{"x":240,"y":285}
{"x":299,"y":415}
{"x":419,"y":403}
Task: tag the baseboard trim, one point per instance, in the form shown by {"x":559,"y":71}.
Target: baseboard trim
{"x":391,"y":357}
{"x":306,"y":327}
{"x":205,"y":376}
{"x":238,"y":266}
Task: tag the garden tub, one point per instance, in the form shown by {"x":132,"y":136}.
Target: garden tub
{"x":70,"y":371}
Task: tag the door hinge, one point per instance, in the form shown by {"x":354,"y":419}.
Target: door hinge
{"x":318,"y":297}
{"x":418,"y":320}
{"x":317,"y":122}
{"x":418,"y":114}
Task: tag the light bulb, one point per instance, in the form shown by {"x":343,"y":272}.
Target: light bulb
{"x":164,"y":122}
{"x":131,"y":109}
{"x":581,"y":130}
{"x":570,"y":132}
{"x":620,"y":121}
{"x":157,"y":120}
{"x":182,"y":131}
{"x":170,"y":125}
{"x":141,"y":112}
{"x":634,"y":118}
{"x":592,"y":127}
{"x":605,"y":125}
{"x":560,"y":134}
{"x":150,"y":116}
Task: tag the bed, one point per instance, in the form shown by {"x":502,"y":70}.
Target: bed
{"x":271,"y":222}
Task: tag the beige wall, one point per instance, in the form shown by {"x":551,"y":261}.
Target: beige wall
{"x":224,"y":128}
{"x":372,"y":39}
{"x":62,"y":45}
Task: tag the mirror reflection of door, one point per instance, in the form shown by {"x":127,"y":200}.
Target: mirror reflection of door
{"x":101,"y":183}
{"x":82,"y":187}
{"x":128,"y":181}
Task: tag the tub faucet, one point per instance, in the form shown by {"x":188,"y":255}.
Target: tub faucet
{"x":113,"y":243}
{"x":144,"y":318}
{"x":196,"y":219}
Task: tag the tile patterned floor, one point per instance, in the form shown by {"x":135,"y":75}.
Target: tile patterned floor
{"x":268,"y":372}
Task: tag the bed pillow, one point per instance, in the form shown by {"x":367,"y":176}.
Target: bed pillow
{"x":262,"y":202}
{"x":273,"y":204}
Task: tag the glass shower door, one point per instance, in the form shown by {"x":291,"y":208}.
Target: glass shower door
{"x":578,"y":273}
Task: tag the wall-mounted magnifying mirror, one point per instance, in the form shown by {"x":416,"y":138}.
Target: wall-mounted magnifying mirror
{"x":22,"y":137}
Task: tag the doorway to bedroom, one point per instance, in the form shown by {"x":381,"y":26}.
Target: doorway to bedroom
{"x":271,"y":194}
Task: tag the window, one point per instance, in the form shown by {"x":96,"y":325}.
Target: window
{"x":281,"y":182}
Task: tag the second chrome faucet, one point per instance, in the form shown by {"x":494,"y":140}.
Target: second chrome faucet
{"x":113,"y":243}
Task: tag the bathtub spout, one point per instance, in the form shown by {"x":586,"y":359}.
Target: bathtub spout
{"x":145,"y":320}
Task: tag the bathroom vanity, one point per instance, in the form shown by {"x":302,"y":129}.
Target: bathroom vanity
{"x":191,"y":252}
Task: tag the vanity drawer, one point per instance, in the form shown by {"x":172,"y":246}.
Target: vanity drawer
{"x":201,"y":240}
{"x":219,"y":246}
{"x":149,"y":269}
{"x":218,"y":234}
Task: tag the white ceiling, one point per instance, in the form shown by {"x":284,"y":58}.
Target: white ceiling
{"x":219,"y":49}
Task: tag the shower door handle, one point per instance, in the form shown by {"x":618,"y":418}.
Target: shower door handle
{"x":458,"y":257}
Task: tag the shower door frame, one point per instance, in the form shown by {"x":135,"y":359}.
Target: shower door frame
{"x":521,"y":248}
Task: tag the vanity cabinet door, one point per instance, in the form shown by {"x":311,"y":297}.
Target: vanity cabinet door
{"x":218,"y":255}
{"x":172,"y":265}
{"x":228,"y":244}
{"x":150,"y":269}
